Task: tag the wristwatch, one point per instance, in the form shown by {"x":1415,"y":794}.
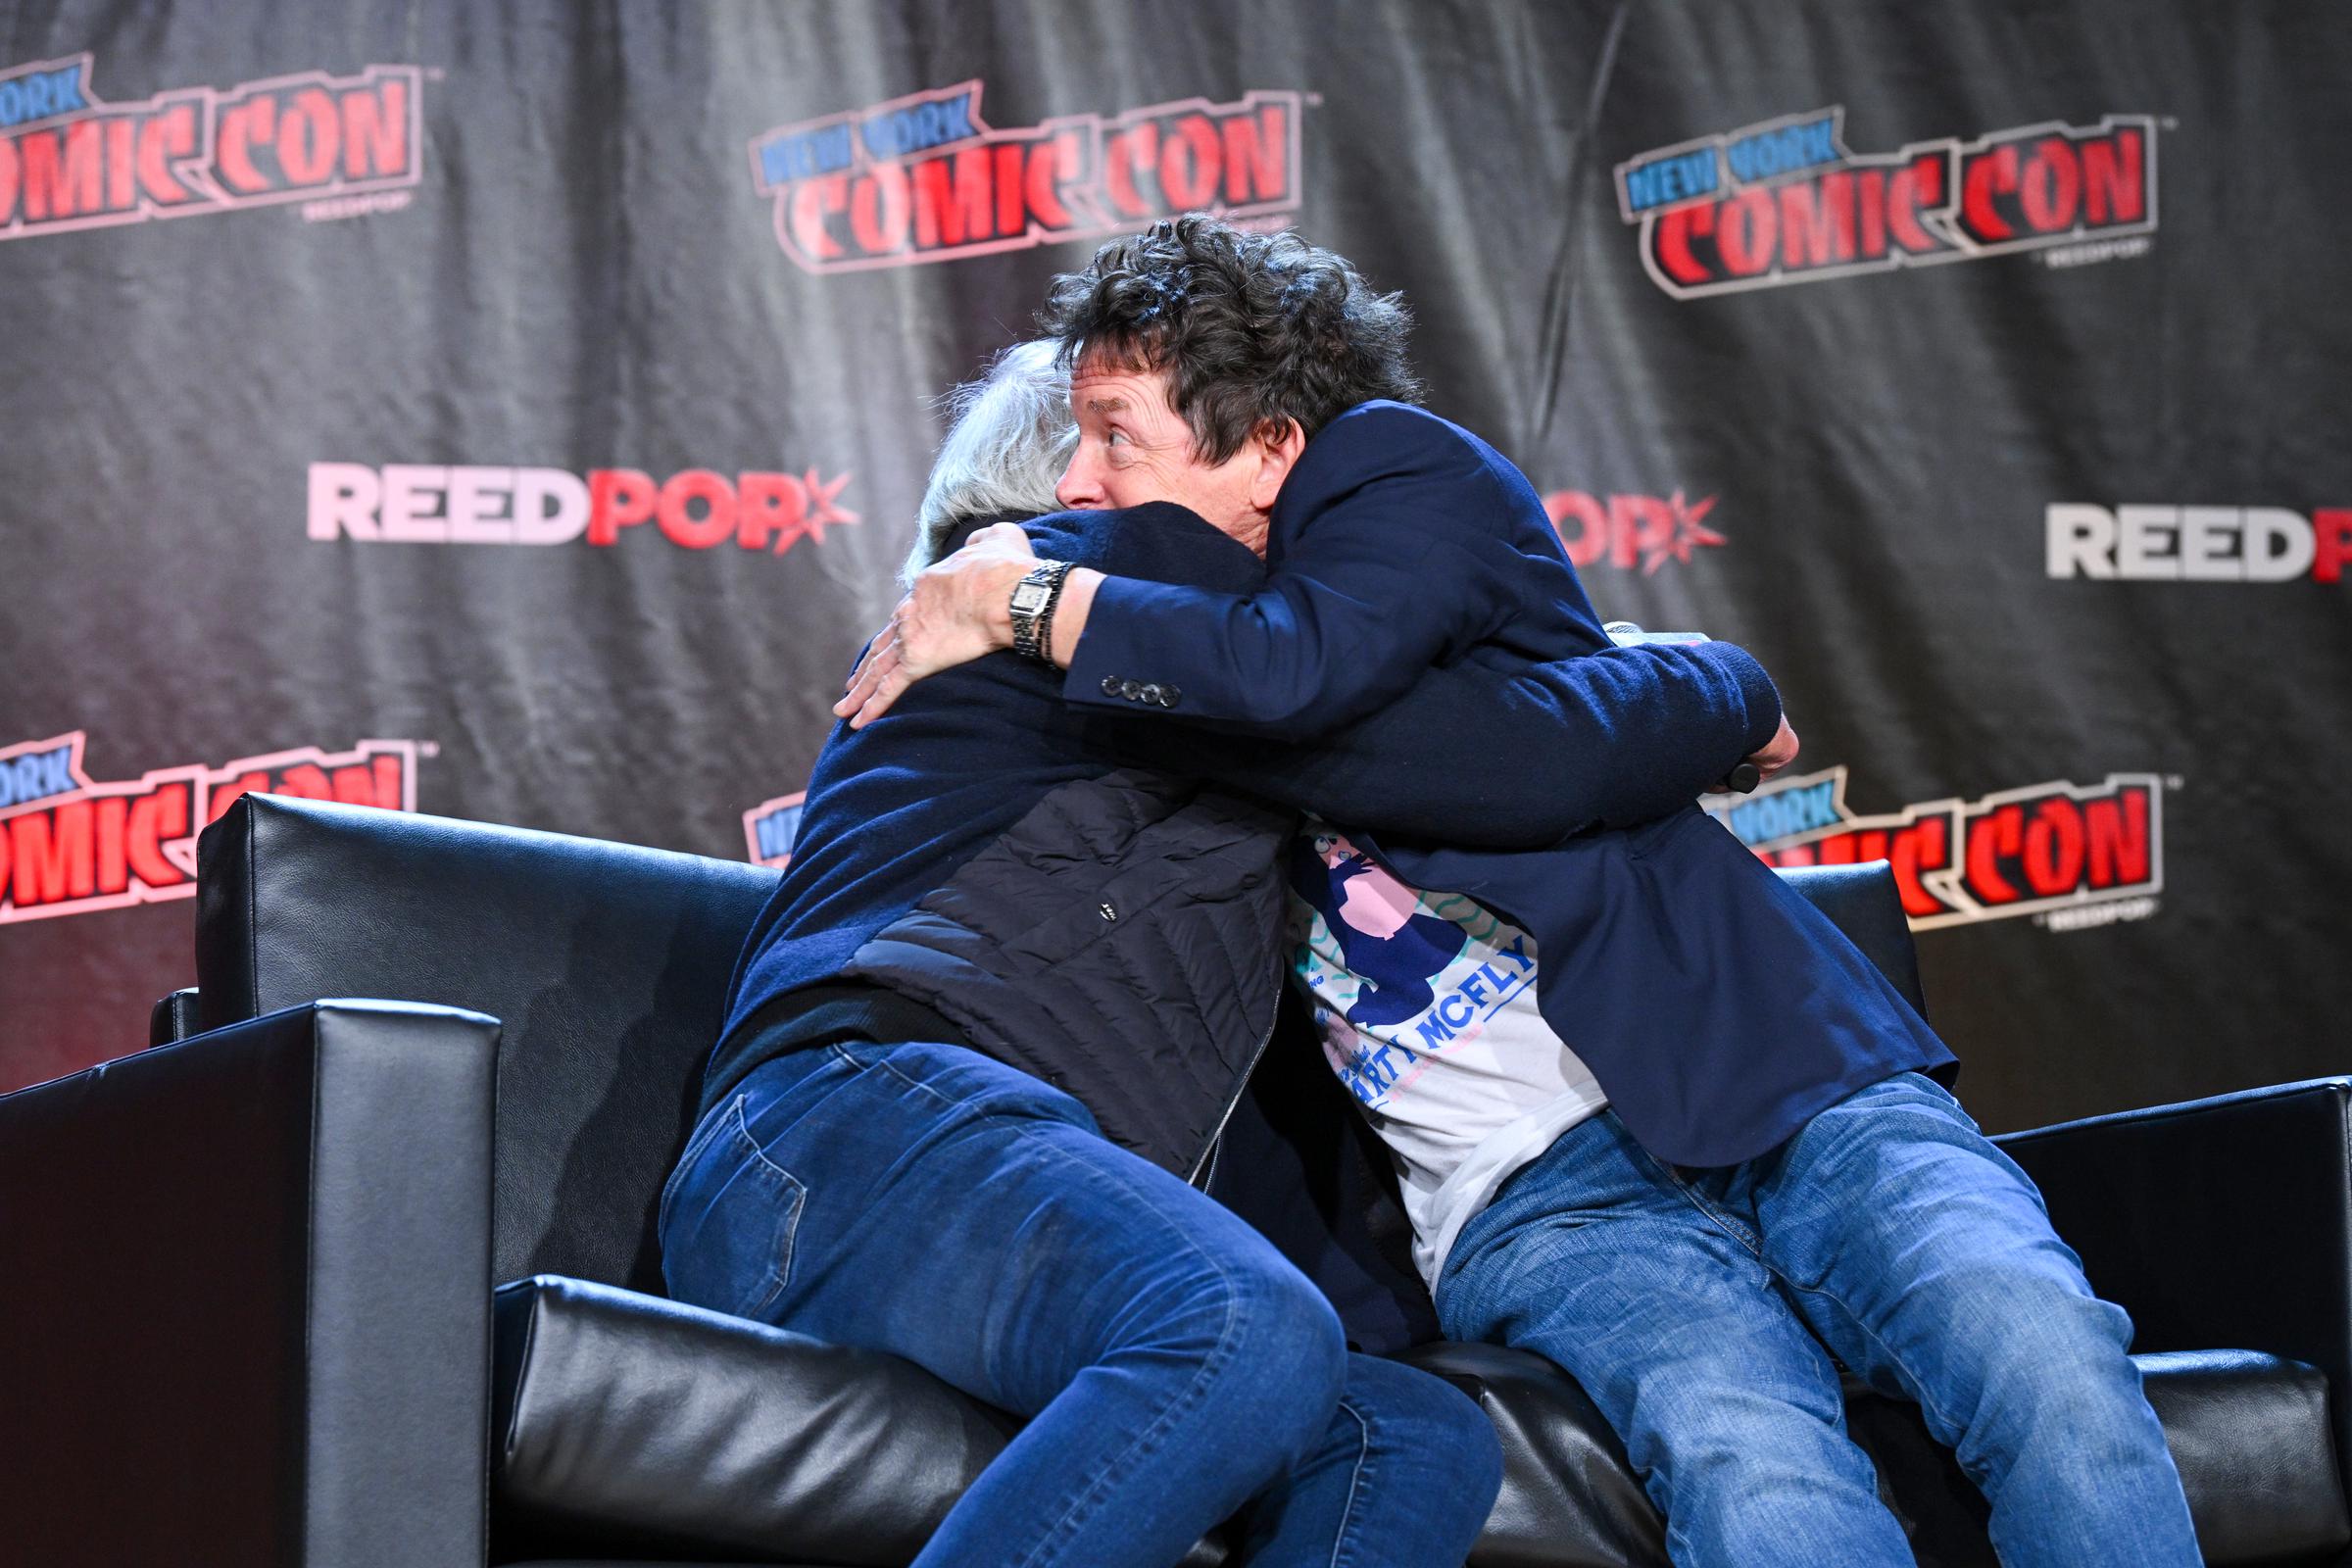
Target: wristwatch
{"x":1033,"y":599}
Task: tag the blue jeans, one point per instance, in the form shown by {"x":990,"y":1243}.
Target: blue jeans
{"x":1701,"y":1308}
{"x":929,"y":1202}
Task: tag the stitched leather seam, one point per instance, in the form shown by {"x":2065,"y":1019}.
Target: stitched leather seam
{"x":2338,"y":1089}
{"x":253,"y":929}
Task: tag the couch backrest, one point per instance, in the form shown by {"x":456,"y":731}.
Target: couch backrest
{"x":607,"y":963}
{"x":607,"y":967}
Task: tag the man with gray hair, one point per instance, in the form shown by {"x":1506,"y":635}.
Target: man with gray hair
{"x":909,"y":1141}
{"x":1009,"y":436}
{"x":995,"y":1018}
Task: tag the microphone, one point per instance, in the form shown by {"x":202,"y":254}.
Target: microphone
{"x":1625,"y":635}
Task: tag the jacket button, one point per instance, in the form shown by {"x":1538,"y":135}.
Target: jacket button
{"x":1110,"y":685}
{"x":1131,"y":689}
{"x":1149,"y":694}
{"x":1170,"y":696}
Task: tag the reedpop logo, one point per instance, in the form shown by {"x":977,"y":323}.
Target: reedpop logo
{"x":1625,"y":529}
{"x":694,"y":508}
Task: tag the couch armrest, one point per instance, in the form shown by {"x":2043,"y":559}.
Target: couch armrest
{"x":2219,"y":1224}
{"x":244,"y":1289}
{"x":176,"y":1016}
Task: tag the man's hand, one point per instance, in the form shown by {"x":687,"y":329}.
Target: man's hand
{"x":958,"y":610}
{"x":1778,"y":752}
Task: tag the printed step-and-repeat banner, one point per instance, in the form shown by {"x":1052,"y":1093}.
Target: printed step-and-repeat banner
{"x":518,"y":413}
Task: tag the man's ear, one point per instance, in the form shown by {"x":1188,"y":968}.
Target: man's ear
{"x":1277,"y":447}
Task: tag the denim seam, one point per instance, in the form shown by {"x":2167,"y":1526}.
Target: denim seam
{"x":1083,"y":1507}
{"x":788,"y":1225}
{"x":1911,"y":1380}
{"x":1356,"y":1483}
{"x":701,"y":1140}
{"x":885,"y":1064}
{"x":1748,"y":1240}
{"x":1916,"y":1384}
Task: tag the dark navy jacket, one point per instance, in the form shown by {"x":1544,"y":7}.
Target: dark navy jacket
{"x":1717,"y":1009}
{"x":982,"y":791}
{"x":959,"y":841}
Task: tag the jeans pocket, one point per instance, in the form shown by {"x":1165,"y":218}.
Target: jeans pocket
{"x":728,"y":1242}
{"x":696,"y":1142}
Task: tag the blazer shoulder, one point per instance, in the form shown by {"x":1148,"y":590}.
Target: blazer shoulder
{"x":1398,"y":429}
{"x":1374,"y":441}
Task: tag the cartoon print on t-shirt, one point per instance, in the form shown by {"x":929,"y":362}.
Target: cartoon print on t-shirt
{"x":1394,"y":950}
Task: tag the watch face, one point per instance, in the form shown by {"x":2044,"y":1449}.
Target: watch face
{"x":1029,"y":597}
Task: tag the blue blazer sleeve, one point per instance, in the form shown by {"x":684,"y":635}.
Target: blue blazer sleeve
{"x":1397,"y":545}
{"x":1485,"y":754}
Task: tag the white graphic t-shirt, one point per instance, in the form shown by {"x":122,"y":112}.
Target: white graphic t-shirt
{"x":1426,"y":1005}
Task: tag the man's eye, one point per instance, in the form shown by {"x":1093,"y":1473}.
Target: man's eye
{"x":1115,"y":438}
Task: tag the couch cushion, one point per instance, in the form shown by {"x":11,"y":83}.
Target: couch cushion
{"x":2249,"y":1433}
{"x":2257,"y":1456}
{"x":623,"y":1423}
{"x":1569,"y":1499}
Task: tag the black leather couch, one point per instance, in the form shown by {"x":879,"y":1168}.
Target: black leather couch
{"x":365,"y":1283}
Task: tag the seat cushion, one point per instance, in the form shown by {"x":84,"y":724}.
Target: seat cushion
{"x":626,"y":1425}
{"x":2248,"y":1432}
{"x":1569,"y":1499}
{"x":2256,"y":1452}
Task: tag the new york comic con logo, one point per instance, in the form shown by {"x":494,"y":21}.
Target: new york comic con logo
{"x":1785,"y":202}
{"x":770,"y":828}
{"x":2070,"y":854}
{"x":71,"y":844}
{"x":924,"y":179}
{"x":70,"y":161}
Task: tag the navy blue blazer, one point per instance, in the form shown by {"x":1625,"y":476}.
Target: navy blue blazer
{"x":1718,"y":1009}
{"x":896,"y":807}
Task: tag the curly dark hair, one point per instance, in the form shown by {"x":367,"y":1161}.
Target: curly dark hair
{"x":1253,"y":329}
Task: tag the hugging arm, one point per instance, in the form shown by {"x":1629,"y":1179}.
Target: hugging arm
{"x":1482,"y":756}
{"x":1382,"y":582}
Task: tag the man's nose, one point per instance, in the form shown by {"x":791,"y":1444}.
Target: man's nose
{"x":1078,"y":489}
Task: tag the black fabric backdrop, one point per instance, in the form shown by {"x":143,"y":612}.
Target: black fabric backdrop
{"x":1804,"y":316}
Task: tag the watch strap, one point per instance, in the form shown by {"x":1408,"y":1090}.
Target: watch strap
{"x":1032,"y":623}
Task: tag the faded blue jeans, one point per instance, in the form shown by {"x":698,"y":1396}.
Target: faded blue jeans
{"x":930,"y":1201}
{"x":1700,"y":1309}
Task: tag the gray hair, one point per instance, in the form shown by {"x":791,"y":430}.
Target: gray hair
{"x":1009,"y":439}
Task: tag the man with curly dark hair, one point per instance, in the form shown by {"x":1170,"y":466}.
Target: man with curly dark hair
{"x":1654,"y":1115}
{"x":1250,"y":330}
